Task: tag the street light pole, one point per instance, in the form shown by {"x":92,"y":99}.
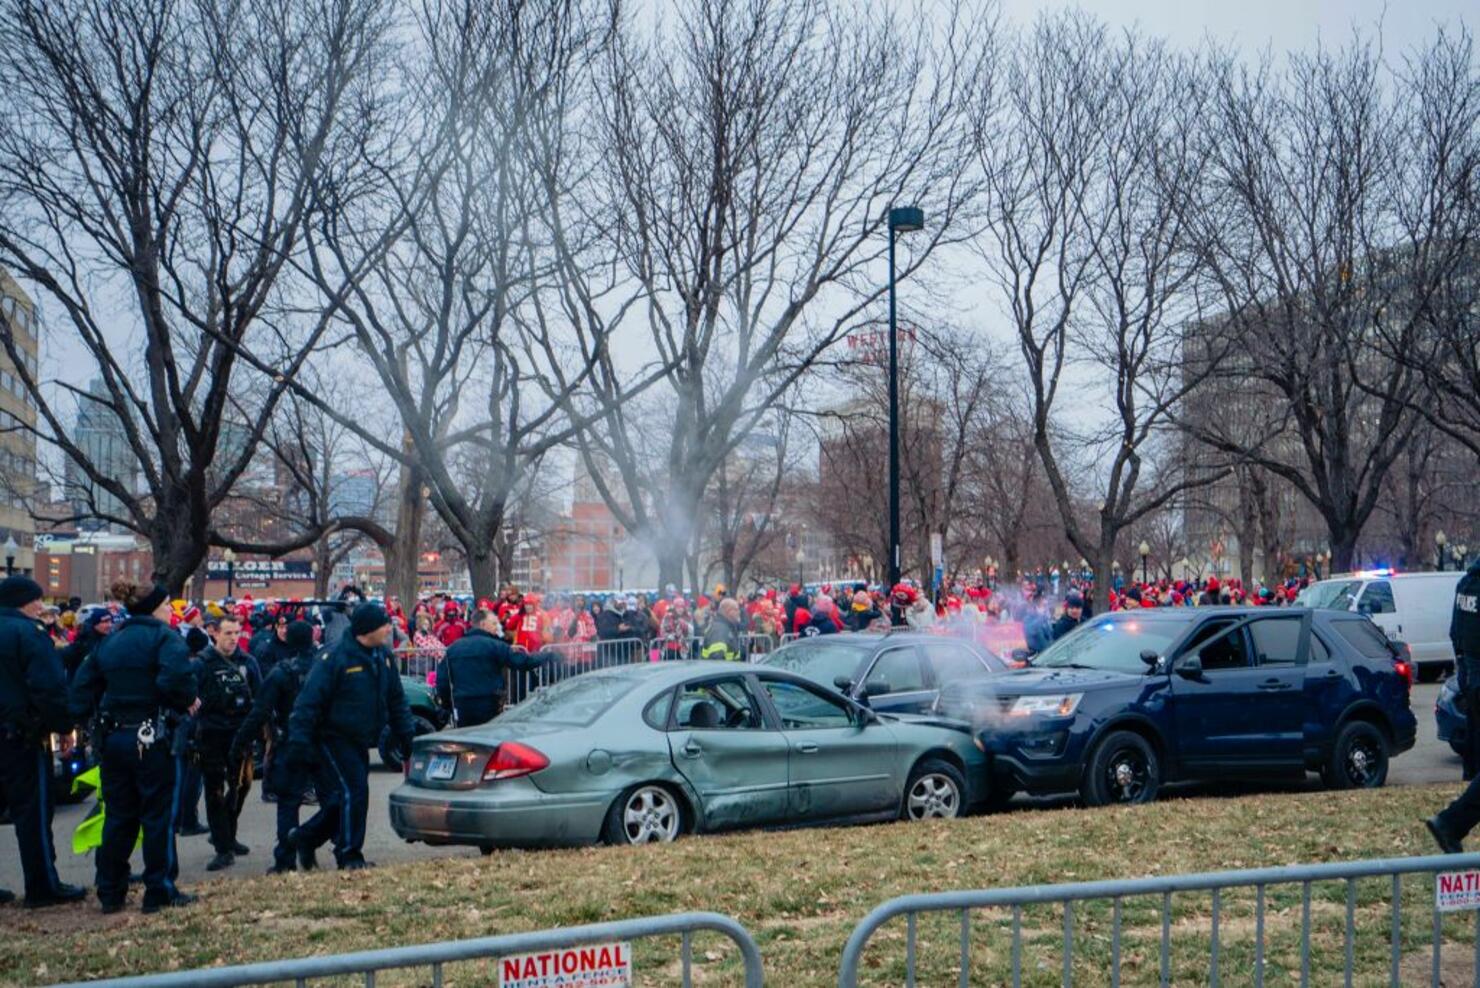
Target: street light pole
{"x":1440,"y":540}
{"x":1145,"y":554}
{"x":904,"y":219}
{"x":230,"y":556}
{"x":12,"y":548}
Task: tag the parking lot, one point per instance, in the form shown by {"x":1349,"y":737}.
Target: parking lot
{"x":1430,"y":761}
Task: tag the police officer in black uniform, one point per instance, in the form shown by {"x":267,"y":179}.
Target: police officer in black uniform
{"x":473,"y":677}
{"x":226,"y":690}
{"x":1455,"y":822}
{"x":138,"y":681}
{"x":33,"y":704}
{"x":352,"y":693}
{"x":272,"y":710}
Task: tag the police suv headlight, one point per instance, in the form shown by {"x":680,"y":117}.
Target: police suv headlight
{"x":1055,"y":705}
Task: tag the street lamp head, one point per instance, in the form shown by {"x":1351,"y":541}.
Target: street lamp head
{"x":1144,"y":549}
{"x":906,"y":219}
{"x":229,"y":555}
{"x":1440,"y":538}
{"x":11,"y":546}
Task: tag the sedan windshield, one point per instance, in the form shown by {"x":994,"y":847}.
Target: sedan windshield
{"x":1114,"y":646}
{"x":820,"y":661}
{"x":577,"y":701}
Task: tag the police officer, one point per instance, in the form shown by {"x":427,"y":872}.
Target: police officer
{"x":33,"y":704}
{"x":225,"y":701}
{"x":1072,"y":617}
{"x":352,"y":693}
{"x":1455,"y":822}
{"x":138,"y":680}
{"x":473,"y":677}
{"x":272,"y":709}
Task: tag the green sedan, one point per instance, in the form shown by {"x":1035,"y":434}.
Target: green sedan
{"x":644,"y":753}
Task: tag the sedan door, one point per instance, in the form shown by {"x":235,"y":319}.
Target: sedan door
{"x":841,"y":765}
{"x":736,"y":762}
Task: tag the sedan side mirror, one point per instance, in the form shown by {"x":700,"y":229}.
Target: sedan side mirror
{"x":1151,"y":658}
{"x":844,"y":685}
{"x":1190,"y":667}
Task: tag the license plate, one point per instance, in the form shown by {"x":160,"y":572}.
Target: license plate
{"x":440,"y":768}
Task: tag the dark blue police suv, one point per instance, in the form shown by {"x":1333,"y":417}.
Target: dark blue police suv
{"x":1134,"y":699}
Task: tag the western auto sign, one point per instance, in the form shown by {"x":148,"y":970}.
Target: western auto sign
{"x":599,"y":965}
{"x":1457,"y":890}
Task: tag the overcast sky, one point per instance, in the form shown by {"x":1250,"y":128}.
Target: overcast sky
{"x":1280,"y":24}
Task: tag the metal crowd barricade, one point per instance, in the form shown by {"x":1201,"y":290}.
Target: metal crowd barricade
{"x":574,"y":658}
{"x":757,"y":646}
{"x":1116,"y":891}
{"x":788,"y":638}
{"x":436,"y":955}
{"x":418,"y":662}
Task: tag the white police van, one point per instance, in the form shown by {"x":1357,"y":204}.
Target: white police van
{"x":1414,"y":608}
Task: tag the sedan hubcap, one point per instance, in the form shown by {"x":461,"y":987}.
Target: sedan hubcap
{"x":650,"y":817}
{"x":1360,"y":764}
{"x":934,"y":797}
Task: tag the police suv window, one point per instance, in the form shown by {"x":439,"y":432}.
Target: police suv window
{"x":1276,"y":641}
{"x":1217,"y":650}
{"x":1365,"y":638}
{"x":1378,"y":598}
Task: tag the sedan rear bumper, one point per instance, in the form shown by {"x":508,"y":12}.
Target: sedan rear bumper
{"x":513,"y":813}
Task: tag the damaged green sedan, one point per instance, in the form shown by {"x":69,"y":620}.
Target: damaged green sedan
{"x":646,"y":753}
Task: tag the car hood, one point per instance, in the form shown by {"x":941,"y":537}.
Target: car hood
{"x":928,"y":720}
{"x":1039,"y":681}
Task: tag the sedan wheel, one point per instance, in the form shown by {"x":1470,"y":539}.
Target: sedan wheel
{"x":934,"y":792}
{"x":650,"y":815}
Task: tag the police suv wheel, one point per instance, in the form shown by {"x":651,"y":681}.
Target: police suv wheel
{"x":1123,"y":769}
{"x":1359,"y":758}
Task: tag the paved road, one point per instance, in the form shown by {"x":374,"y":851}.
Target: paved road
{"x":1429,"y":761}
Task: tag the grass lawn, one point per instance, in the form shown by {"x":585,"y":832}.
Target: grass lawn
{"x":801,"y":892}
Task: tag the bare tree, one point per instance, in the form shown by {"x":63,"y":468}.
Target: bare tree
{"x":745,"y":157}
{"x":1331,"y":222}
{"x":159,"y":160}
{"x":1086,"y":163}
{"x":429,"y":264}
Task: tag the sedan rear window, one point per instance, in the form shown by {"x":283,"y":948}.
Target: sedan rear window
{"x":577,"y":701}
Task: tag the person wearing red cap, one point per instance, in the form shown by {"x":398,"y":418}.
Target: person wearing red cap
{"x":1209,"y":596}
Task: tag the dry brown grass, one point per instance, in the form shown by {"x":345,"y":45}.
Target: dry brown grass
{"x":799,"y":892}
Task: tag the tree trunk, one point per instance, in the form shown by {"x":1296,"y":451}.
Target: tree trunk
{"x":178,"y":541}
{"x":483,"y":570}
{"x":1104,"y":567}
{"x":321,"y":566}
{"x":1343,"y":549}
{"x":402,"y":555}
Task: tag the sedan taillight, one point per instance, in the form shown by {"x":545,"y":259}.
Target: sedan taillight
{"x":1405,"y":669}
{"x":511,"y":759}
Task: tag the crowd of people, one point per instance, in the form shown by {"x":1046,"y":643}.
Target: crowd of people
{"x":181,"y":702}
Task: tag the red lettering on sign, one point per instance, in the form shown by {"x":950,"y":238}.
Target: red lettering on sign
{"x":588,"y":958}
{"x":511,"y":970}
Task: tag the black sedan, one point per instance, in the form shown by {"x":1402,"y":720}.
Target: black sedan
{"x":900,"y":672}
